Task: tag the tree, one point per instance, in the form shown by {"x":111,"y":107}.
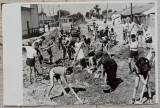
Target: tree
{"x":77,"y":17}
{"x":42,"y":13}
{"x":63,"y":13}
{"x":80,"y":16}
{"x":97,"y":9}
{"x":87,"y":15}
{"x":110,"y":10}
{"x":91,"y":12}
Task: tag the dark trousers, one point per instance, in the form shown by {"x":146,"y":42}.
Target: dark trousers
{"x":40,"y":58}
{"x":111,"y":76}
{"x":59,"y":43}
{"x":64,"y":52}
{"x":50,"y":55}
{"x":124,"y":36}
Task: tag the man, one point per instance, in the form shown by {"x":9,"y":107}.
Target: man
{"x":49,"y":48}
{"x":59,"y":73}
{"x":40,"y":41}
{"x":65,"y":43}
{"x":87,"y":42}
{"x":109,"y":66}
{"x":133,"y":51}
{"x":125,"y":30}
{"x":31,"y":59}
{"x":49,"y":27}
{"x":69,"y":45}
{"x":100,"y":45}
{"x":142,"y":70}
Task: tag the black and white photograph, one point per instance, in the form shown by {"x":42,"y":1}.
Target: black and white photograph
{"x":98,"y":53}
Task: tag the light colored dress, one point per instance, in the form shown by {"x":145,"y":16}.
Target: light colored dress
{"x":79,"y":51}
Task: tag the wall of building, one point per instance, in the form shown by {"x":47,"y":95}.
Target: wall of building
{"x":34,"y":15}
{"x":30,"y":15}
{"x":26,"y":16}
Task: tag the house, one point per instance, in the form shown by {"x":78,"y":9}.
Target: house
{"x":30,"y":20}
{"x":137,"y":12}
{"x":66,"y":19}
{"x":45,"y":19}
{"x":116,"y":17}
{"x":108,"y":16}
{"x":150,"y":17}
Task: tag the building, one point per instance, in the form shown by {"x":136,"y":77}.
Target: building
{"x":150,"y":17}
{"x":30,"y":20}
{"x":116,"y":17}
{"x":66,"y":19}
{"x":137,"y":12}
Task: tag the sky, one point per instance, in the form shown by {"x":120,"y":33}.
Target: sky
{"x":51,"y":9}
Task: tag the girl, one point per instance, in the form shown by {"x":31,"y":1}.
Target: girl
{"x":79,"y":55}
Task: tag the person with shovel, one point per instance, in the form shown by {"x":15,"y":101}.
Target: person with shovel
{"x":109,"y":66}
{"x":60,"y":74}
{"x":142,"y":70}
{"x":49,"y":49}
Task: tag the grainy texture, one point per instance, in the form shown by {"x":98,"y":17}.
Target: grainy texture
{"x":75,"y":106}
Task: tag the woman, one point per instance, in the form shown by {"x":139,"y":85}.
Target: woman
{"x":79,"y":55}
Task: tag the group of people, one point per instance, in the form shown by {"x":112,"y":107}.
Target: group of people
{"x":97,"y":58}
{"x":133,"y":35}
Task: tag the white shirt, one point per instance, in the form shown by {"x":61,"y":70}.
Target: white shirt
{"x":31,"y":52}
{"x":125,"y":26}
{"x":134,"y":46}
{"x":131,"y":25}
{"x":147,"y":33}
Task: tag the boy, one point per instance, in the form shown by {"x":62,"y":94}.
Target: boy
{"x":59,"y":73}
{"x":30,"y":61}
{"x":49,"y":49}
{"x":112,"y":36}
{"x":133,"y":51}
{"x":142,"y":70}
{"x":39,"y":41}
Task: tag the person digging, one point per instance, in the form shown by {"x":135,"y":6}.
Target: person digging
{"x":142,"y":70}
{"x":109,"y":71}
{"x":60,"y":74}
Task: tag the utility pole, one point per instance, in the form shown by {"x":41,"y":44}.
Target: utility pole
{"x":131,"y":13}
{"x":53,"y":17}
{"x":106,"y":15}
{"x":59,"y":15}
{"x":42,"y":18}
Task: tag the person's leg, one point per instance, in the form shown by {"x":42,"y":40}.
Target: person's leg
{"x":64,"y":53}
{"x":59,"y":43}
{"x":60,"y":84}
{"x":30,"y":75}
{"x":149,"y":91}
{"x":135,"y":89}
{"x":69,"y":53}
{"x":129,"y":64}
{"x":51,"y":84}
{"x":34,"y":74}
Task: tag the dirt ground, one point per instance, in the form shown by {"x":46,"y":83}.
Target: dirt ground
{"x":86,"y":85}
